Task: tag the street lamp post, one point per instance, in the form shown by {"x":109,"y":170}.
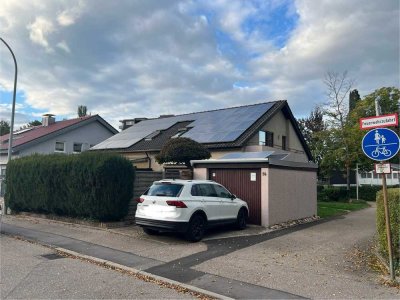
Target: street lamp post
{"x":10,"y":137}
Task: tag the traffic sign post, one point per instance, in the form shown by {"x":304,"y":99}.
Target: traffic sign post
{"x":382,"y":144}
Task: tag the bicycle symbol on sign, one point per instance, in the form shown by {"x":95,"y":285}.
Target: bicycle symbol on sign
{"x":381,"y":150}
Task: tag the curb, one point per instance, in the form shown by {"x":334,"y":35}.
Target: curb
{"x":142,"y":273}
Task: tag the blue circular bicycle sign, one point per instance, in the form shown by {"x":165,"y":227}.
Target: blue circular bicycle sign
{"x":380,"y":144}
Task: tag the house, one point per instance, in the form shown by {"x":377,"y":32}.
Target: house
{"x":367,"y":178}
{"x":259,"y":127}
{"x":67,"y":136}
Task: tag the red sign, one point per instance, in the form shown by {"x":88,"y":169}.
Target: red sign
{"x":379,"y":121}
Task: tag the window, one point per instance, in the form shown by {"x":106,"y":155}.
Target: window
{"x":262,"y":138}
{"x":205,"y":190}
{"x":60,"y":147}
{"x":222,"y":192}
{"x":77,"y":147}
{"x":284,"y":145}
{"x":363,"y":175}
{"x":152,"y":135}
{"x":266,"y":138}
{"x":375,"y":175}
{"x":389,"y":176}
{"x":164,"y":190}
{"x":369,"y":175}
{"x":395,"y":175}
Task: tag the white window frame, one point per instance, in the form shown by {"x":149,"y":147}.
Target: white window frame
{"x":55,"y":147}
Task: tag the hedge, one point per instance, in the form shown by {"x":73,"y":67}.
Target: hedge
{"x":394,"y":217}
{"x":365,"y":192}
{"x":91,"y":185}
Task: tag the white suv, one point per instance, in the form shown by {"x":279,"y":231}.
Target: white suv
{"x":189,"y":207}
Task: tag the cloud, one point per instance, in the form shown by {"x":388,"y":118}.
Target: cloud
{"x":38,"y":31}
{"x":145,"y":58}
{"x":63,"y":45}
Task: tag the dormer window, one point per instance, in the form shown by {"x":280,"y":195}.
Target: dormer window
{"x":180,"y":132}
{"x":152,"y":135}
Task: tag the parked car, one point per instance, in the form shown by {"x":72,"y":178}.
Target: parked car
{"x":189,"y":207}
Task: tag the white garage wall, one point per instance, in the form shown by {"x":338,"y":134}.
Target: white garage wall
{"x":292,"y":195}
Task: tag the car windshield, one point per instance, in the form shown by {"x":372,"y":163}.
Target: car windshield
{"x":164,"y":190}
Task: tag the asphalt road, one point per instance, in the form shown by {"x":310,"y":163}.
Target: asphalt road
{"x":31,"y":271}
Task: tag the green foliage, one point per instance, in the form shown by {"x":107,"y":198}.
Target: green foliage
{"x":89,"y":185}
{"x":181,"y":151}
{"x":354,"y":98}
{"x":333,"y":194}
{"x":313,"y":129}
{"x":82,"y":110}
{"x":35,"y":123}
{"x":394,"y":217}
{"x":365,"y":192}
{"x":4,"y":127}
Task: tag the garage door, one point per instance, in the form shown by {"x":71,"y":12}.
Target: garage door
{"x":245,"y":184}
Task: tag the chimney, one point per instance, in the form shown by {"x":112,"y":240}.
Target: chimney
{"x":48,"y":119}
{"x":130,"y":122}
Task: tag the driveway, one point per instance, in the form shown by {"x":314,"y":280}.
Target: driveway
{"x":310,"y":260}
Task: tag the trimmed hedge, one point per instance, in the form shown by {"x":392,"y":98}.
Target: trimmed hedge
{"x":365,"y":192}
{"x":394,"y":212}
{"x":91,"y":185}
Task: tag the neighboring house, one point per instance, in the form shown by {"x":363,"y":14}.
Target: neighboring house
{"x":68,"y":136}
{"x":251,"y":128}
{"x":367,"y":178}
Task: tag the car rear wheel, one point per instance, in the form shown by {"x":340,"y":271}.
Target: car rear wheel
{"x":241,"y":221}
{"x":196,"y":229}
{"x":150,"y":231}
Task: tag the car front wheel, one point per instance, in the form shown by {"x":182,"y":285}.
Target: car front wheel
{"x":196,"y":229}
{"x":241,"y":221}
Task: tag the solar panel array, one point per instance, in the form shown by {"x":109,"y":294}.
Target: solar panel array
{"x":247,"y":155}
{"x":217,"y":126}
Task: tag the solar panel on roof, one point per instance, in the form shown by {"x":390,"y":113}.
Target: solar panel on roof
{"x":218,"y":126}
{"x":234,"y":155}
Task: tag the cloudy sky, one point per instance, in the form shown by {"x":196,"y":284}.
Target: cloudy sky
{"x":126,"y":59}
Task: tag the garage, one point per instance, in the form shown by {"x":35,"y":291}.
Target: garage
{"x":245,"y":184}
{"x":276,"y":190}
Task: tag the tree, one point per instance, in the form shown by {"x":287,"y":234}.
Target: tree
{"x":314,"y":131}
{"x":388,"y":100}
{"x":340,"y":138}
{"x":4,"y":127}
{"x":354,"y":98}
{"x":35,"y":123}
{"x":82,"y":111}
{"x":181,"y":150}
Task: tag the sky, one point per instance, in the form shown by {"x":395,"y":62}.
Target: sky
{"x":127,"y":59}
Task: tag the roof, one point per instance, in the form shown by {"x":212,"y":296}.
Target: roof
{"x":27,"y":137}
{"x":270,"y":158}
{"x":222,"y":128}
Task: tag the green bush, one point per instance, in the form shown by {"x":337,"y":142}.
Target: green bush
{"x":332,"y":194}
{"x":365,"y":192}
{"x":394,"y":217}
{"x":89,"y":185}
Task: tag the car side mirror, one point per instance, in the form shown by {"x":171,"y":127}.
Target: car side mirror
{"x":233,"y":196}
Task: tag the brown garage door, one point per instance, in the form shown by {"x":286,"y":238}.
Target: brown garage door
{"x":245,"y":184}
